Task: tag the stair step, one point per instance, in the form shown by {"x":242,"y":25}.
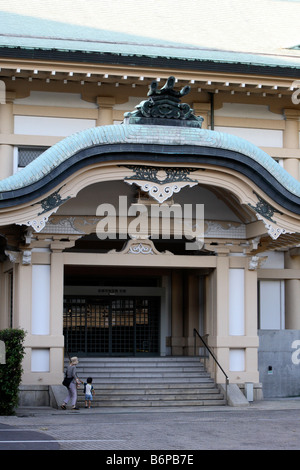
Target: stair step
{"x":153,"y":380}
{"x":152,"y":391}
{"x":145,"y":375}
{"x":154,"y":368}
{"x":140,"y":359}
{"x":148,"y":403}
{"x":154,"y":396}
{"x":151,"y":387}
{"x":148,"y":381}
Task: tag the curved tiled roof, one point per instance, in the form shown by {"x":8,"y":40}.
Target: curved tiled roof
{"x":145,"y":142}
{"x":132,"y":134}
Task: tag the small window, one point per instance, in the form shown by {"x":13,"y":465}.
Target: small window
{"x":26,"y":155}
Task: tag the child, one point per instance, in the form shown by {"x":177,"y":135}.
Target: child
{"x":89,"y":392}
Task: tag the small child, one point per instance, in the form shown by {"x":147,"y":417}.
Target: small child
{"x":89,"y":392}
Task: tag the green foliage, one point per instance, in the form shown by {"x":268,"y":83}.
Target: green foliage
{"x":11,"y":372}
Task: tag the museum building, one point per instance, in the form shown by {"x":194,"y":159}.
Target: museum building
{"x":144,"y":201}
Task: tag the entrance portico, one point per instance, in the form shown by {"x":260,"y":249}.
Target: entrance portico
{"x":214,"y":294}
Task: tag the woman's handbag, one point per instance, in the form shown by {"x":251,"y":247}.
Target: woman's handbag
{"x":67,"y":380}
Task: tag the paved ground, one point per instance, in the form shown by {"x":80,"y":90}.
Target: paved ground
{"x":266,"y":425}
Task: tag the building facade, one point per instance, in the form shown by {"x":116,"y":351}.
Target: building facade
{"x":137,"y":207}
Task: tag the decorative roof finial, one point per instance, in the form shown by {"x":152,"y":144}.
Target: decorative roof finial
{"x":164,"y":108}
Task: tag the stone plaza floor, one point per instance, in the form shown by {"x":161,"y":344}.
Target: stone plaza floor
{"x":263,"y":425}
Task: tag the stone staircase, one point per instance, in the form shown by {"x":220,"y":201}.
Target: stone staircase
{"x":148,"y":382}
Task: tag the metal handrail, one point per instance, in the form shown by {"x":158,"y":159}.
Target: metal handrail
{"x":214,"y":358}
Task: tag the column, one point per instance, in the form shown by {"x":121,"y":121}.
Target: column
{"x":191,"y":311}
{"x":222,"y":294}
{"x":56,"y":314}
{"x":217,"y":308}
{"x":291,"y":140}
{"x":251,"y":331}
{"x":292,"y":291}
{"x":22,"y":312}
{"x":105,"y":113}
{"x":236,"y":317}
{"x":177,"y":340}
{"x":232,"y":319}
{"x":6,"y":129}
{"x":202,"y":109}
{"x":221,"y":321}
{"x":40,"y":317}
{"x":236,"y":301}
{"x":40,"y":310}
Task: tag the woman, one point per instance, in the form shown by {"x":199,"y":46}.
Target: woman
{"x":72,"y":390}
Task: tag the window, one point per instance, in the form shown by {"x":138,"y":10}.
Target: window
{"x":26,"y":155}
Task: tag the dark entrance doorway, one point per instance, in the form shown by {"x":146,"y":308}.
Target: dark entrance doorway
{"x":111,"y":326}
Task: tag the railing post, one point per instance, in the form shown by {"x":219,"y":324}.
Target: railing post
{"x":214,"y":358}
{"x":226,"y":384}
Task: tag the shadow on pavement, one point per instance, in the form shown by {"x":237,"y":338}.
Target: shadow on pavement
{"x":12,"y":438}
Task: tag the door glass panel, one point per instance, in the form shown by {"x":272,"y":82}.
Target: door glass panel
{"x":97,"y":327}
{"x":122,"y":312}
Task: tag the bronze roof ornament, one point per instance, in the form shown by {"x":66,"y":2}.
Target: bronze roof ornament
{"x":163,"y":107}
